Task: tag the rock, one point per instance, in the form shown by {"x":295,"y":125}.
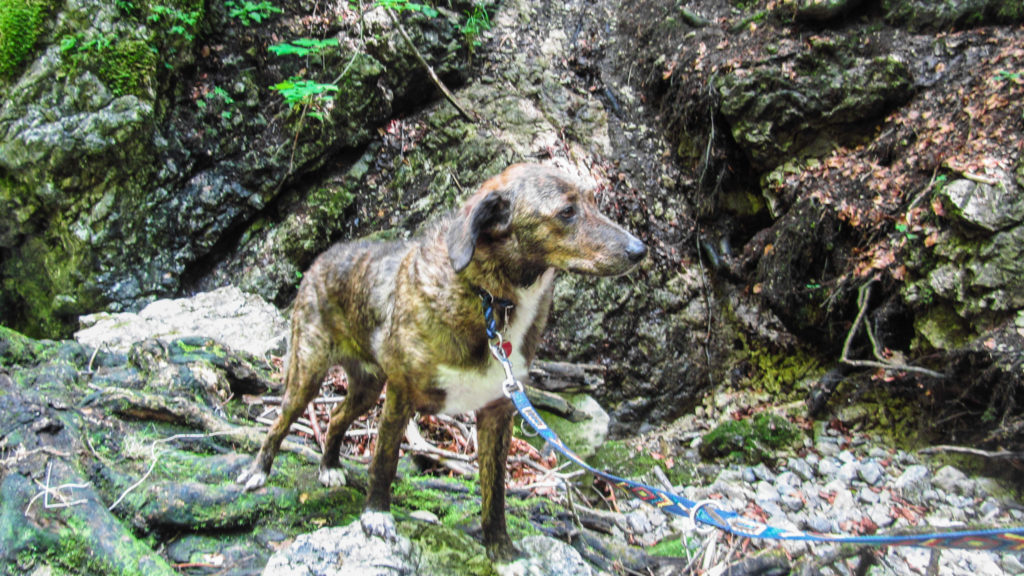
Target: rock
{"x":928,"y":15}
{"x":587,"y":429}
{"x":801,"y":468}
{"x":344,"y":551}
{"x":871,"y":472}
{"x":774,"y":115}
{"x":237,"y":320}
{"x":951,"y":480}
{"x":913,"y":483}
{"x":990,"y":207}
{"x":546,"y":556}
{"x":824,"y":10}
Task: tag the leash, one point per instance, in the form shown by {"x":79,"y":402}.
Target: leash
{"x":999,"y":539}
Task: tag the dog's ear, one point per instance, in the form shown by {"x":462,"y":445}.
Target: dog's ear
{"x":486,"y":215}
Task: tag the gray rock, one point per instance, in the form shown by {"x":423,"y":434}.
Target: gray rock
{"x":546,"y":556}
{"x":867,"y":495}
{"x":237,"y":320}
{"x":801,"y":468}
{"x":871,"y":472}
{"x":788,"y":481}
{"x":952,"y":480}
{"x":913,"y":483}
{"x":828,"y":468}
{"x":848,"y":472}
{"x":766,"y":492}
{"x":762,"y":472}
{"x":990,"y":207}
{"x":344,"y":551}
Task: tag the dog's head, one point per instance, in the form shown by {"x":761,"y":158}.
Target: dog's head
{"x":532,"y":217}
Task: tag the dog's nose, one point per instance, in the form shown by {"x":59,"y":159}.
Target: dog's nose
{"x":636,"y":250}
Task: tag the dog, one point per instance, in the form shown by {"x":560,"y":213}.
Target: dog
{"x":409,"y":313}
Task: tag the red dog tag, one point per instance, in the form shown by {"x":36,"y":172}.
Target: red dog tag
{"x":506,"y":347}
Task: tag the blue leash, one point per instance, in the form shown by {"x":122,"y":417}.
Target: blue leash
{"x":998,"y":540}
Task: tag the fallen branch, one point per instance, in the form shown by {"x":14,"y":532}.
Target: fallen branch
{"x":458,"y":463}
{"x":998,"y":455}
{"x":863,"y":296}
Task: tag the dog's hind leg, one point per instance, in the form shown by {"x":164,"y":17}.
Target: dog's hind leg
{"x":307,"y":366}
{"x":363,"y":391}
{"x":494,"y":435}
{"x":398,"y":410}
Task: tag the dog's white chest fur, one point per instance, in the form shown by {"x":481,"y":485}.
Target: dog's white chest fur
{"x":468,"y":390}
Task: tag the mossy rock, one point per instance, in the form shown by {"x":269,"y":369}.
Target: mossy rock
{"x":21,"y":21}
{"x":755,"y":440}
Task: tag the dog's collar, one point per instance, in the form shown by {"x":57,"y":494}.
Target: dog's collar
{"x":489,"y":303}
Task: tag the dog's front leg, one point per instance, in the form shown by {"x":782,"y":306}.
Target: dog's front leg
{"x":376,"y":519}
{"x":494,"y":435}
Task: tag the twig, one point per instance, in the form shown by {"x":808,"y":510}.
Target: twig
{"x":55,"y":490}
{"x":277,"y":400}
{"x":863,"y":296}
{"x":156,"y":458}
{"x":979,"y":178}
{"x":999,"y":455}
{"x":430,"y":70}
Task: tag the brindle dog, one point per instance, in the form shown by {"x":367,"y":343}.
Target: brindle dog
{"x":409,"y":313}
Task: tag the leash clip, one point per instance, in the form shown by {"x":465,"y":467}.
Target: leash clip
{"x":510,"y":385}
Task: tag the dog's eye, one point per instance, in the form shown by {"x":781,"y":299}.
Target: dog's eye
{"x":568,"y":214}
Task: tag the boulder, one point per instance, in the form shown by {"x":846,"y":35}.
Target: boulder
{"x":233,"y":318}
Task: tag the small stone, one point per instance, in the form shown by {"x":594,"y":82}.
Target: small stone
{"x":849,"y":472}
{"x":819,"y":524}
{"x":846,"y":457}
{"x":766,"y":492}
{"x":951,"y":480}
{"x":867,"y":495}
{"x":762,"y":472}
{"x":913,"y":483}
{"x":792,"y":502}
{"x":828,"y":468}
{"x":1011,"y":564}
{"x":801,"y":468}
{"x":749,"y":476}
{"x":871,"y":472}
{"x":989,"y":509}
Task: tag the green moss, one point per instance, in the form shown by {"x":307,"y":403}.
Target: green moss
{"x":751,"y":441}
{"x":20,"y":24}
{"x":778,"y":372}
{"x":124,"y":65}
{"x":15,"y":348}
{"x":45,"y":282}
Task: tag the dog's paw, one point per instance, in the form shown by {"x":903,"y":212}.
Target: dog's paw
{"x":379,"y":524}
{"x":252,"y":478}
{"x":332,"y":477}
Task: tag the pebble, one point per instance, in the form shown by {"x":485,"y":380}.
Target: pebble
{"x":840,"y":485}
{"x":871,"y":472}
{"x":802,"y":468}
{"x":849,"y":472}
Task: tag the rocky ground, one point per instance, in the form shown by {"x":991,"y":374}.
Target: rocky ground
{"x":834,"y":279}
{"x":122,"y":454}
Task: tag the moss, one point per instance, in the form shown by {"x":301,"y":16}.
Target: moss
{"x":449,"y":551}
{"x":47,"y":278}
{"x":20,"y":24}
{"x":777,"y":373}
{"x":751,"y":441}
{"x":15,"y":348}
